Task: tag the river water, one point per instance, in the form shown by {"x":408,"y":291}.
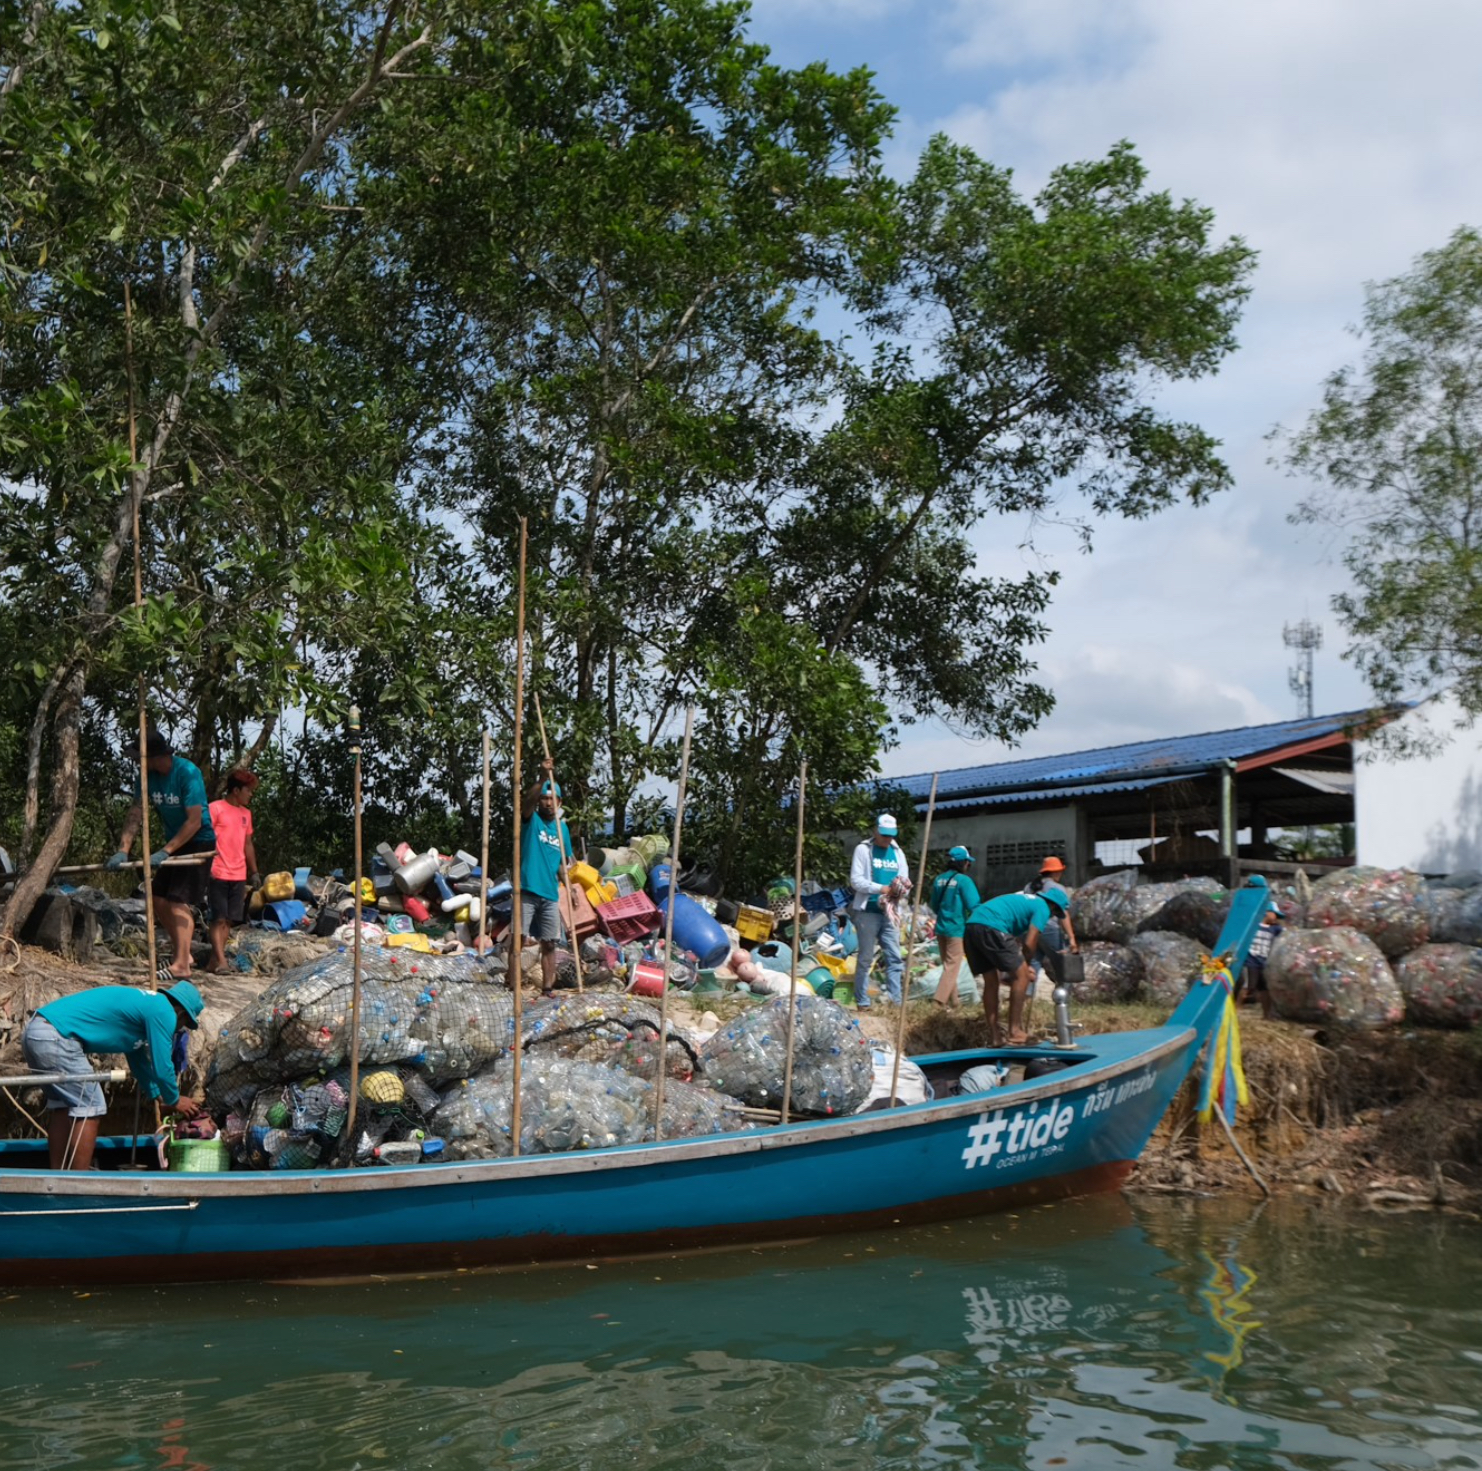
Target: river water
{"x":1089,"y":1334}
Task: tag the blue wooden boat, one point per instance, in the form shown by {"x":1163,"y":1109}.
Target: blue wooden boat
{"x":1074,"y":1132}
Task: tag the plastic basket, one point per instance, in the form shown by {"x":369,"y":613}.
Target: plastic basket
{"x":198,"y":1156}
{"x":628,"y":917}
{"x":825,"y":901}
{"x":754,"y":924}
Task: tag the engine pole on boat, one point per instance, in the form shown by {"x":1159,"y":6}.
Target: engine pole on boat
{"x":797,"y":943}
{"x":516,"y":970}
{"x":355,"y":966}
{"x":483,"y":943}
{"x":134,"y":497}
{"x":684,"y":782}
{"x":900,"y":1034}
{"x":566,"y":858}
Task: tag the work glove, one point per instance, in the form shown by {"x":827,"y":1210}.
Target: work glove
{"x":117,"y":861}
{"x":158,"y":857}
{"x":254,"y":880}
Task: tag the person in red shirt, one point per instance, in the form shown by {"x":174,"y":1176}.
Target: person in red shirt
{"x":236,"y":857}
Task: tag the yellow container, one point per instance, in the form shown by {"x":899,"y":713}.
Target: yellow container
{"x":277,"y":886}
{"x":602,"y":893}
{"x":839,"y":965}
{"x":410,"y":942}
{"x":584,"y":875}
{"x":754,"y":924}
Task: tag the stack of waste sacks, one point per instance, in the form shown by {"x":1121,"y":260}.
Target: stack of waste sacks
{"x":832,"y":1071}
{"x":1333,"y":975}
{"x":1442,"y":984}
{"x":437,"y":1015}
{"x":1170,"y":965}
{"x":566,"y":1103}
{"x":1114,"y":973}
{"x":616,"y":1030}
{"x":1384,"y":904}
{"x":1115,"y":907}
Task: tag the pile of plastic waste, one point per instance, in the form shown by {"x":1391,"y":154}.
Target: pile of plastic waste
{"x":832,"y":1070}
{"x":1442,"y":984}
{"x":1333,"y":975}
{"x":1114,"y":973}
{"x":1170,"y":965}
{"x":1115,"y":907}
{"x":1384,"y":904}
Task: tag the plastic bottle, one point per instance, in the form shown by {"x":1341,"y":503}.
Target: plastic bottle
{"x":399,"y":1152}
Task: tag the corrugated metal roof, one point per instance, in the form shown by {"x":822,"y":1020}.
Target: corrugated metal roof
{"x":1111,"y":764}
{"x":1049,"y":794}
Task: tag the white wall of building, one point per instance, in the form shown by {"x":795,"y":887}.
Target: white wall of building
{"x":1421,"y":812}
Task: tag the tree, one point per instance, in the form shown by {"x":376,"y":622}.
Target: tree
{"x":1396,"y":451}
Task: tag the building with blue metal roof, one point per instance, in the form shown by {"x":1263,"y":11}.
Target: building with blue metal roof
{"x":1175,"y":804}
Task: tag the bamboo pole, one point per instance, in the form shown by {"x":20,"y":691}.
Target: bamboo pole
{"x":900,"y":1036}
{"x":797,"y":944}
{"x":483,"y":943}
{"x":684,"y":781}
{"x":568,"y":858}
{"x":355,"y":943}
{"x":517,"y":918}
{"x":138,"y":605}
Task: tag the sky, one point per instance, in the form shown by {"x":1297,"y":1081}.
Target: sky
{"x":1340,"y":139}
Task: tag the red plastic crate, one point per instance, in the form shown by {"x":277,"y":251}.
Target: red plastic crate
{"x":628,"y":917}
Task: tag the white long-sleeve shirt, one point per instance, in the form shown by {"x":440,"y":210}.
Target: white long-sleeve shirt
{"x":869,"y":867}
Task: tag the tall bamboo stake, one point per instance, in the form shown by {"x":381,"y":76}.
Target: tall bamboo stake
{"x":797,"y":943}
{"x":900,"y":1037}
{"x":138,"y":604}
{"x":684,"y":781}
{"x":516,"y":920}
{"x":354,"y":728}
{"x":567,"y":858}
{"x":484,"y":858}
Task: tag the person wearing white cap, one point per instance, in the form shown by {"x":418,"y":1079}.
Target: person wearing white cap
{"x":878,"y":875}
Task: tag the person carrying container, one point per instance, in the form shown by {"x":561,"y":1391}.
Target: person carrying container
{"x":140,"y":1024}
{"x":952,"y":898}
{"x":878,"y":875}
{"x":236,"y":859}
{"x":545,"y":850}
{"x":177,"y":793}
{"x":1001,"y":935}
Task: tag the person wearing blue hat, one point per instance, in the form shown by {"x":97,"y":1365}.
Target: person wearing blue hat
{"x":1001,"y":937}
{"x":140,"y":1024}
{"x":545,"y":850}
{"x":952,"y":898}
{"x":879,"y":874}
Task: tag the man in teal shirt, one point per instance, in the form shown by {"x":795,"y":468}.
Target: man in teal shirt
{"x":177,"y":795}
{"x":545,"y":850}
{"x":953,"y":897}
{"x":1000,"y":937}
{"x":106,"y":1019}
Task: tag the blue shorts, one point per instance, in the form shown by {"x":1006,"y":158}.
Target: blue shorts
{"x":48,"y":1051}
{"x":542,"y":919}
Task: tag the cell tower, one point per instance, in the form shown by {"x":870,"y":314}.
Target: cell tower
{"x":1304,"y":637}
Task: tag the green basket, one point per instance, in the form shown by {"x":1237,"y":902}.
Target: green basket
{"x":198,"y":1156}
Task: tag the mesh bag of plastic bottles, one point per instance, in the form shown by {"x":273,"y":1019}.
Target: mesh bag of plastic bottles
{"x":832,"y":1071}
{"x":1384,"y":904}
{"x":1113,"y":972}
{"x":1454,"y":916}
{"x":1099,"y":909}
{"x":1334,"y":975}
{"x":1171,"y":964}
{"x":1193,"y":907}
{"x":435,"y":1013}
{"x":567,"y":1104}
{"x":610,"y":1028}
{"x":1442,"y":985}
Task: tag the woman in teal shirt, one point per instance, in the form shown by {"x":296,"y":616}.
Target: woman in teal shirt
{"x":953,"y":897}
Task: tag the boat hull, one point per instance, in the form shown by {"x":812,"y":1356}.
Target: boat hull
{"x":1071,"y":1133}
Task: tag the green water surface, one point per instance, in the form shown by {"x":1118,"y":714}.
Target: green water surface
{"x":1091,"y":1334}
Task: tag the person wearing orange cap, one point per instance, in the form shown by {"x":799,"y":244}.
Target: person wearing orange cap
{"x":1059,"y":934}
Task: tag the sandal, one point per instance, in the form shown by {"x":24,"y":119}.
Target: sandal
{"x":1018,"y":1039}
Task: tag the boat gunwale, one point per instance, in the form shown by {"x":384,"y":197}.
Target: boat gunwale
{"x":259,"y":1183}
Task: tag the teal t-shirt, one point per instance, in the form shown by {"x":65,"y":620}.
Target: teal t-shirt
{"x":140,"y":1024}
{"x":182,"y":787}
{"x":541,"y":856}
{"x":953,"y":897}
{"x":1013,"y":914}
{"x":885,"y":867}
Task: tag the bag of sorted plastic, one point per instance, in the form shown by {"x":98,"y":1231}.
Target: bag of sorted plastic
{"x":1453,"y":915}
{"x":1334,"y":975}
{"x":430,"y":1012}
{"x":1194,"y":907}
{"x":568,"y":1104}
{"x":1442,"y":985}
{"x":1099,"y":908}
{"x":1384,"y":904}
{"x":608,"y":1028}
{"x":832,"y":1072}
{"x":1171,"y":964}
{"x":1113,"y":972}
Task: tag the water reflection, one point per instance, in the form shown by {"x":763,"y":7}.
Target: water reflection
{"x":1084,"y":1335}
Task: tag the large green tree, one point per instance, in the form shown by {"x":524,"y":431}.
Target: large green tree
{"x":1395,"y":452}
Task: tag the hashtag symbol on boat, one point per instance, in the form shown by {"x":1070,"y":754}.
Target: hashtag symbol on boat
{"x":983,"y":1139}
